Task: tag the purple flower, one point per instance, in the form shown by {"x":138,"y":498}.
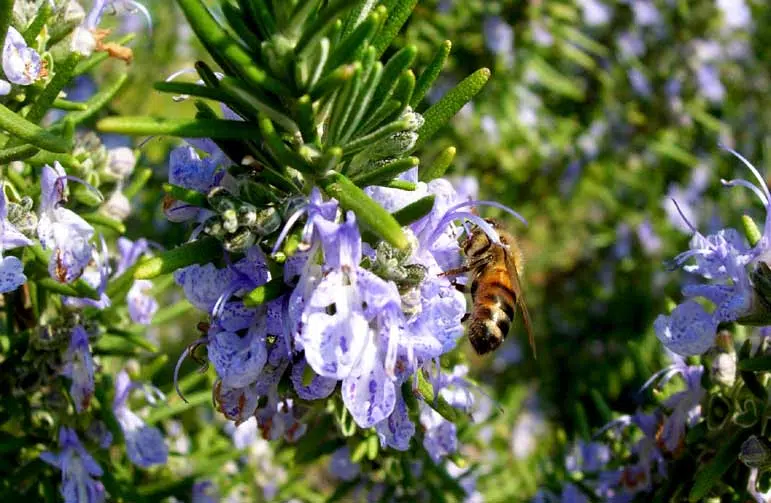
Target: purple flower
{"x":688,"y":330}
{"x":21,"y":64}
{"x":595,"y":12}
{"x":309,"y":385}
{"x":187,"y":169}
{"x":708,"y":79}
{"x":398,"y":429}
{"x":238,"y":360}
{"x":78,"y":468}
{"x":441,"y":436}
{"x":341,"y":466}
{"x":11,"y":269}
{"x":499,"y":37}
{"x":204,"y":492}
{"x":79,"y":367}
{"x":587,"y":457}
{"x":141,"y":306}
{"x":144,"y":444}
{"x":685,"y":405}
{"x":61,"y":230}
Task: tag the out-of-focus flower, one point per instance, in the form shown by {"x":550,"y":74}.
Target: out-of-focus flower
{"x":595,"y":12}
{"x":79,"y":470}
{"x":145,"y":445}
{"x":79,"y":366}
{"x":499,"y":37}
{"x":11,"y":269}
{"x":341,"y":466}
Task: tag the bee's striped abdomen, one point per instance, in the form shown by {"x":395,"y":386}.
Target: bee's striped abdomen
{"x":493,"y":312}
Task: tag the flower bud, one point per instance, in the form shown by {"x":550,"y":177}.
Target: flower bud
{"x":117,"y":206}
{"x":755,"y":452}
{"x":120,"y":162}
{"x":723,"y":369}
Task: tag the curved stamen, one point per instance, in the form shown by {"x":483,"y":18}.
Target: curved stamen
{"x":146,"y":13}
{"x":80,"y":181}
{"x":219,"y":306}
{"x":188,"y":352}
{"x":746,"y":184}
{"x":288,"y":227}
{"x":682,"y":215}
{"x":620,"y":423}
{"x":754,"y":171}
{"x":664,"y":374}
{"x":458,"y":215}
{"x":494,"y":204}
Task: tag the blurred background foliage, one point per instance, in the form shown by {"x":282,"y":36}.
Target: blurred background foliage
{"x":597,"y":115}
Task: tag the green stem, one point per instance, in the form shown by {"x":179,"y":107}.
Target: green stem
{"x":21,"y":128}
{"x":219,"y":129}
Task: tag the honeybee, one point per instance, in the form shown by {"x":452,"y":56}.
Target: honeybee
{"x":496,"y":291}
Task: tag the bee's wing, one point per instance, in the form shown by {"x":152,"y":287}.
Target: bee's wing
{"x":517,"y":287}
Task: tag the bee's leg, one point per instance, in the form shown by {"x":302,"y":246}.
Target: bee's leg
{"x":459,"y":286}
{"x":465,"y":317}
{"x":464,"y":269}
{"x":456,"y":271}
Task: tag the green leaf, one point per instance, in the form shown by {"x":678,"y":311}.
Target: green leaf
{"x":757,"y":364}
{"x":334,"y":81}
{"x":370,"y":139}
{"x":258,"y":14}
{"x":185,"y":128}
{"x":556,"y":82}
{"x":397,"y":16}
{"x":6,"y":13}
{"x":188,"y":88}
{"x":710,"y":473}
{"x":141,"y":178}
{"x":436,"y":402}
{"x":443,"y":110}
{"x":430,"y":73}
{"x":105,"y":221}
{"x":168,"y":313}
{"x":343,"y":105}
{"x":281,"y":152}
{"x":414,"y":211}
{"x":393,"y":70}
{"x":201,"y":251}
{"x":385,"y":173}
{"x":69,"y":106}
{"x":228,"y":53}
{"x":166,"y":411}
{"x":60,"y":79}
{"x":369,"y":213}
{"x":257,"y":104}
{"x":326,"y":17}
{"x":187,"y":195}
{"x":265,"y":293}
{"x":352,"y":45}
{"x":99,"y":100}
{"x":428,"y":172}
{"x":17,"y":153}
{"x":25,"y":130}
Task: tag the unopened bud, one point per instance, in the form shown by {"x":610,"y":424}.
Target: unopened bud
{"x":120,"y":162}
{"x":723,"y":369}
{"x":756,"y":452}
{"x":117,"y":206}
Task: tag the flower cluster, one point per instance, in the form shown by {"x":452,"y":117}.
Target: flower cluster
{"x":735,"y":272}
{"x":352,"y":318}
